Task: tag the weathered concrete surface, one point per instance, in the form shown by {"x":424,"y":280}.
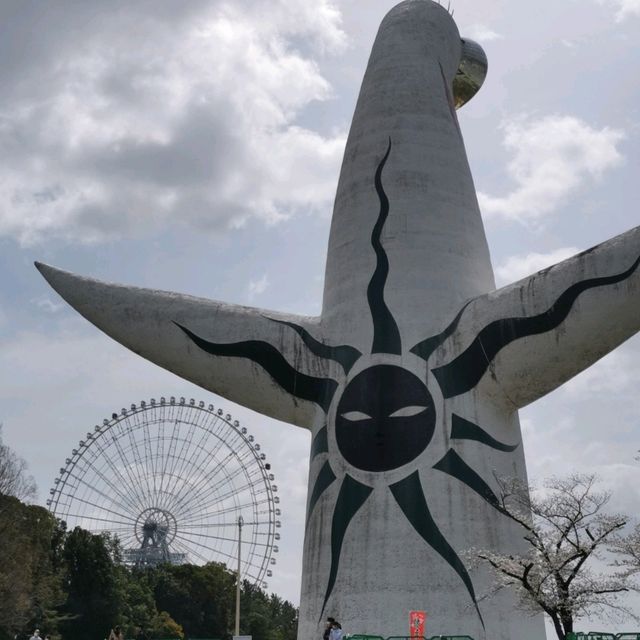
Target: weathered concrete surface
{"x":411,"y":378}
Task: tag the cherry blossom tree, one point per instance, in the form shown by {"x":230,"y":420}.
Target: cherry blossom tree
{"x":629,"y":550}
{"x":567,"y":531}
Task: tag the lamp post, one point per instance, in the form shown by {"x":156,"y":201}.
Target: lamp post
{"x":240,"y":523}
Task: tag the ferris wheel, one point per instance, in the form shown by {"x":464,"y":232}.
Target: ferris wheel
{"x":176,"y":482}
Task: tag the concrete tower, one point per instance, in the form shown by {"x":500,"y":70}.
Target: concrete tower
{"x":411,"y":378}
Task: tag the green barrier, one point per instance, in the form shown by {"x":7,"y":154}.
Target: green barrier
{"x":603,"y":635}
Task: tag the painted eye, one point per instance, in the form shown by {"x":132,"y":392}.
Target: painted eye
{"x":408,"y":412}
{"x":355,"y":416}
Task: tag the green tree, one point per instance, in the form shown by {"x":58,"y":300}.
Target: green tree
{"x":94,"y":593}
{"x":285,"y":618}
{"x":266,"y":617}
{"x":30,"y":580}
{"x":138,"y":608}
{"x":76,"y":584}
{"x":200,"y":599}
{"x":254,"y":618}
{"x":164,"y":626}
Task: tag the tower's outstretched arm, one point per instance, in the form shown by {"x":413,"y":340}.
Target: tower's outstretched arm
{"x":526,"y":339}
{"x":253,"y":357}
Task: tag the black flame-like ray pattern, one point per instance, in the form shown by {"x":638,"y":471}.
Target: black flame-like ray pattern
{"x":410,"y":498}
{"x":464,"y":372}
{"x":344,"y":355}
{"x":386,"y":336}
{"x":452,"y":464}
{"x":300,"y":385}
{"x":425,"y":348}
{"x":351,"y":497}
{"x":325,"y":479}
{"x":320,"y":443}
{"x":462,"y":429}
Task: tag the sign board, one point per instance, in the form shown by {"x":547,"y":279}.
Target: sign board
{"x":416,"y":623}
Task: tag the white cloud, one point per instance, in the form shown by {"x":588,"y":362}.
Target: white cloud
{"x":552,"y":158}
{"x":46,"y":303}
{"x":257,"y":287}
{"x":615,"y":374}
{"x":517,"y":267}
{"x":148,"y":118}
{"x":481,"y":33}
{"x":626,"y":8}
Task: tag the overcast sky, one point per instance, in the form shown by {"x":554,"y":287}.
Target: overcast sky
{"x":196,"y":146}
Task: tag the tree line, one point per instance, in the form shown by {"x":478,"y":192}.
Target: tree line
{"x":578,"y":559}
{"x":72,"y":584}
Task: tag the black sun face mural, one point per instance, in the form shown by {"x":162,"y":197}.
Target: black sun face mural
{"x":381,"y":416}
{"x":385,"y":418}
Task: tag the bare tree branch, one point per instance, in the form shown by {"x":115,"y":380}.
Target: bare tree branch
{"x":14,"y":479}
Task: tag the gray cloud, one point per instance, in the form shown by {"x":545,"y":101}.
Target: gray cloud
{"x":150,"y":111}
{"x":203,"y":150}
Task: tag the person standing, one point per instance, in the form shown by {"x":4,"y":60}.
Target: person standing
{"x":336,"y":632}
{"x":327,"y":629}
{"x":116,"y":633}
{"x":36,"y":635}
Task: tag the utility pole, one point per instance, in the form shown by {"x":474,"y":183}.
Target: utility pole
{"x":240,"y":523}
